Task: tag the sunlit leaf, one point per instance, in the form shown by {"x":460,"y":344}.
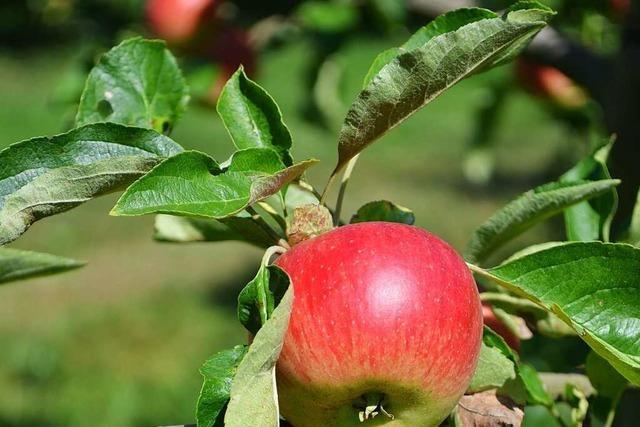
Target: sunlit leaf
{"x":594,"y":287}
{"x":192,"y":183}
{"x":417,"y":76}
{"x":44,"y":176}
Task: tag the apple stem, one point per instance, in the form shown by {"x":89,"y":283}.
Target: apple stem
{"x":343,"y":188}
{"x":372,"y":407}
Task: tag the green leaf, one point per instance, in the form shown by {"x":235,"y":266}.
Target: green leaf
{"x":383,"y":210}
{"x":609,"y":385}
{"x":529,"y":209}
{"x":594,"y":287}
{"x":538,"y":416}
{"x":17,"y":264}
{"x":416,"y":77}
{"x":591,"y":220}
{"x":136,"y":83}
{"x":44,"y":176}
{"x":192,"y":183}
{"x":252,"y":117}
{"x":241,"y":227}
{"x":536,"y":393}
{"x":499,"y":367}
{"x":604,"y":378}
{"x":496,"y":364}
{"x":450,"y":21}
{"x":254,"y":397}
{"x":261,"y":295}
{"x":218,"y":373}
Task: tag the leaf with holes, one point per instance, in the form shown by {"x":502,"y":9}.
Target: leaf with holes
{"x":17,"y":264}
{"x":594,"y":287}
{"x":252,"y":117}
{"x":44,"y":176}
{"x":192,"y":183}
{"x":136,"y":83}
{"x":415,"y":77}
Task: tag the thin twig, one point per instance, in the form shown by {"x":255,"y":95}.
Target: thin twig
{"x":267,"y":228}
{"x":343,"y":188}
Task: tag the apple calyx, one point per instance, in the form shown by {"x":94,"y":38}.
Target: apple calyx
{"x":308,"y":221}
{"x":371,"y":406}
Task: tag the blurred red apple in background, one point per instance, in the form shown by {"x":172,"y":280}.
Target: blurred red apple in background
{"x":550,"y":83}
{"x":492,"y":321}
{"x":386,"y":321}
{"x":177,"y":21}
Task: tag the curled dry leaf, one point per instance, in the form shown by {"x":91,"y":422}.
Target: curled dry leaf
{"x":308,"y":221}
{"x":486,"y":409}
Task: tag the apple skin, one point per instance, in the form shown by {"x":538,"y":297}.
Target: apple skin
{"x":380,"y":309}
{"x":177,"y":21}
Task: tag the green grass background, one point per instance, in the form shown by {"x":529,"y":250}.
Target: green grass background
{"x":119,"y":342}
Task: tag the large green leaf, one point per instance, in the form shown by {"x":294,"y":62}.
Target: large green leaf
{"x":136,"y":83}
{"x":252,"y":117}
{"x":591,"y":220}
{"x":182,"y":229}
{"x":218,"y":373}
{"x":16,"y":264}
{"x":254,"y":397}
{"x":43,"y":176}
{"x":529,"y":209}
{"x":594,"y":287}
{"x":415,"y":77}
{"x":192,"y":183}
{"x":383,"y":210}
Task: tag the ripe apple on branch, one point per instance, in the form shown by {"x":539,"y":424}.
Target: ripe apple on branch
{"x":377,"y":322}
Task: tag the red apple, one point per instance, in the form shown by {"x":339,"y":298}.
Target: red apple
{"x":386,"y":320}
{"x":177,"y":21}
{"x":492,"y":321}
{"x":548,"y":82}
